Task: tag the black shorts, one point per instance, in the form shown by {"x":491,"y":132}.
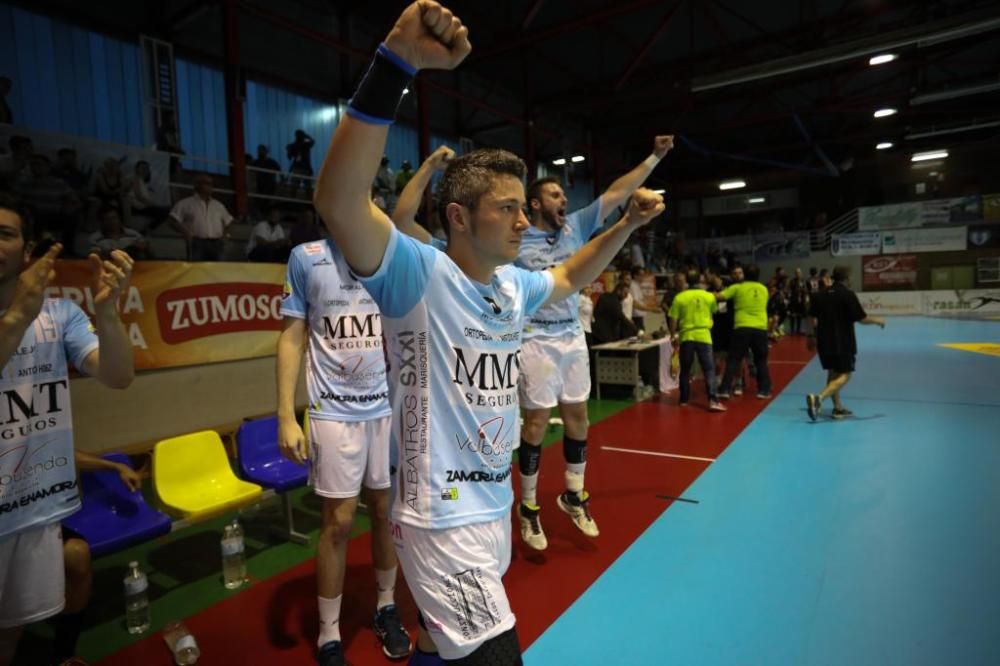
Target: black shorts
{"x":837,"y":362}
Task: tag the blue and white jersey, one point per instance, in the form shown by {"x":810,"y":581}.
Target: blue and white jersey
{"x":453,"y":352}
{"x":37,"y":474}
{"x":541,"y":250}
{"x":345,"y":369}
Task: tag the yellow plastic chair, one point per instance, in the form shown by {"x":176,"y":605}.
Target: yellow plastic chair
{"x":193,"y":479}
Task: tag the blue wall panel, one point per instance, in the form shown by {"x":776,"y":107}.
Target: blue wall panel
{"x":68,"y":80}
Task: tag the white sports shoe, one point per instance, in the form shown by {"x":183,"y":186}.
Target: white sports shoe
{"x":580,"y":513}
{"x":531,"y":527}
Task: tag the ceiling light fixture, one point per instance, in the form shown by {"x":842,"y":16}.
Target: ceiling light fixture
{"x":882,"y":58}
{"x":929,"y":155}
{"x":885,"y":113}
{"x":883,"y":145}
{"x":754,"y":200}
{"x":559,"y":162}
{"x":732,"y":185}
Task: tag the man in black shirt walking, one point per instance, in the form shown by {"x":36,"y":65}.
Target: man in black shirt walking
{"x":834,"y":311}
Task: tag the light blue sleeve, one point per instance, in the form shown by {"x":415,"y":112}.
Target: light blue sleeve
{"x":536,"y":287}
{"x":587,"y":220}
{"x":401,"y":279}
{"x":293,"y":302}
{"x":79,"y":338}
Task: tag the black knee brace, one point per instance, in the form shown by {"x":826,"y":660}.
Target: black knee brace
{"x":529,"y":457}
{"x":575,"y":450}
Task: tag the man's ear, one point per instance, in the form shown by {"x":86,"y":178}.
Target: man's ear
{"x":458,"y":216}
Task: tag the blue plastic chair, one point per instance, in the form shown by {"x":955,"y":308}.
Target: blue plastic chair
{"x":112,"y":516}
{"x":261,"y":462}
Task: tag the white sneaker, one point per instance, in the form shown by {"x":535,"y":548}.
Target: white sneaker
{"x":531,"y":527}
{"x":580,"y":513}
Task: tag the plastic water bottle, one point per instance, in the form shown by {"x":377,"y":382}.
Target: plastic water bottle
{"x":136,"y":600}
{"x":234,"y":566}
{"x":181,"y":643}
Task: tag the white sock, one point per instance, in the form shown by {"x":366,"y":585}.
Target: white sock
{"x":529,"y":488}
{"x":574,"y":478}
{"x":385,"y":583}
{"x":329,"y":620}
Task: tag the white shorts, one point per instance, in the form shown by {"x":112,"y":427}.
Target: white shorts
{"x":455,"y":575}
{"x":554,"y":371}
{"x":344,"y":455}
{"x":32,"y":577}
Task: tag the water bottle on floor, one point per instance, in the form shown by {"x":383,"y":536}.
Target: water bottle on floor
{"x":136,"y":600}
{"x":181,"y":643}
{"x":234,"y":567}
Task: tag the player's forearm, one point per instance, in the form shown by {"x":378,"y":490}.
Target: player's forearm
{"x":583,"y":267}
{"x":87,"y":461}
{"x":289,"y":362}
{"x":409,"y":203}
{"x":116,"y":363}
{"x":620,"y":190}
{"x":343,"y":189}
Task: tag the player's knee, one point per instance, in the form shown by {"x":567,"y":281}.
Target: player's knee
{"x":529,"y":457}
{"x":338,"y":522}
{"x":76,"y":557}
{"x":378,"y":505}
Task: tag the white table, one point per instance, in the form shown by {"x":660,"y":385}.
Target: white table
{"x":623,"y":369}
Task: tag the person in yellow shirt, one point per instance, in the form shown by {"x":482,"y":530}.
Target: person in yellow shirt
{"x":690,"y":322}
{"x":749,"y":299}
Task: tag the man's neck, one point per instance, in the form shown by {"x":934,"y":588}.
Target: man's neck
{"x":206,"y":199}
{"x":538,"y":222}
{"x":470,"y":264}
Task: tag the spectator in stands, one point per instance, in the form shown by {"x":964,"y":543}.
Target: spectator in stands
{"x":627,"y":301}
{"x":610,"y":323}
{"x":403,"y":177}
{"x":385,"y":184}
{"x":305,"y":230}
{"x":56,"y":207}
{"x":267,"y":240}
{"x":114,"y":236}
{"x":110,"y":186}
{"x":140,"y":196}
{"x":635,"y":253}
{"x":168,"y":140}
{"x":798,"y":300}
{"x":6,"y":115}
{"x":300,"y":161}
{"x":14,"y":167}
{"x":267,"y":181}
{"x":202,"y":221}
{"x":68,"y":171}
{"x":639,"y":305}
{"x":813,"y":282}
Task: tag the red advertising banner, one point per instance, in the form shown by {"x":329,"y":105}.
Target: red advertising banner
{"x":889,"y":270}
{"x":179,"y":314}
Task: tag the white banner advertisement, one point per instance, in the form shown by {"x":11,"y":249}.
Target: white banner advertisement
{"x":920,"y":213}
{"x":862,"y":242}
{"x":880,"y":303}
{"x":968,"y":303}
{"x":942,"y":239}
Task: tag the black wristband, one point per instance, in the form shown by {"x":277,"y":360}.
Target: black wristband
{"x":381,"y":90}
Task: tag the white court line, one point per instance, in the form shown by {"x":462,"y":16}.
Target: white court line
{"x":770,"y":362}
{"x":657,"y":453}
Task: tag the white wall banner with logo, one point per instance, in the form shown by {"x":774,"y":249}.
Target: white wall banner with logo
{"x":963,"y":303}
{"x":861,"y":242}
{"x":880,"y":303}
{"x":941,"y":239}
{"x":921,"y":213}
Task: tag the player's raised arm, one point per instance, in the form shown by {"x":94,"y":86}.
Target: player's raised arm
{"x":583,"y":267}
{"x":426,"y":36}
{"x":409,"y":199}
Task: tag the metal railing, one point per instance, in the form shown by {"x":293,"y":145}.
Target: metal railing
{"x":819,"y":239}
